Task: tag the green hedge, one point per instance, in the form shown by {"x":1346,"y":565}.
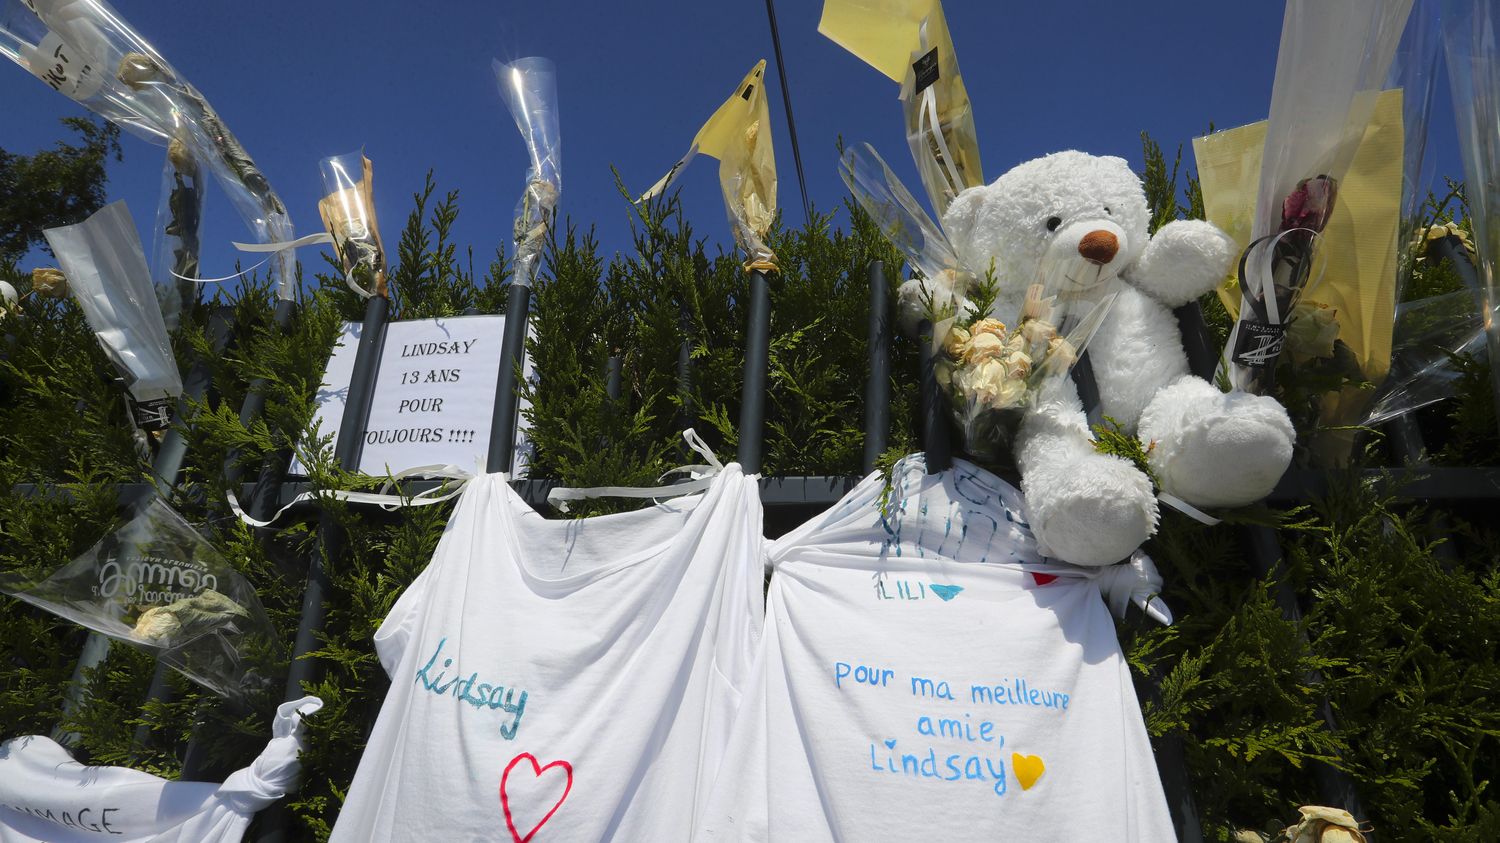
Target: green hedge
{"x":1400,"y":631}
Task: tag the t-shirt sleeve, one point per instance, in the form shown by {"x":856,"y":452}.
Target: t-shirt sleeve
{"x":398,"y":628}
{"x":404,"y":621}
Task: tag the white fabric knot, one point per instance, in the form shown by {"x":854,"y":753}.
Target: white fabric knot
{"x":274,"y":772}
{"x":1134,"y":581}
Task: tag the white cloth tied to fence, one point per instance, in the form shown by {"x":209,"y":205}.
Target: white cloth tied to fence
{"x":47,"y":797}
{"x":927,"y":674}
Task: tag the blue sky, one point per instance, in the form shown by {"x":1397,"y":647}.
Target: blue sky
{"x":297,"y":81}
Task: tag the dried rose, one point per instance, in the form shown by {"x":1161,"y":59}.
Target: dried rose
{"x":138,"y":69}
{"x":1038,"y":331}
{"x":49,"y":282}
{"x":1310,"y":205}
{"x":986,"y":346}
{"x":956,"y":343}
{"x":1060,"y":354}
{"x":988,"y":326}
{"x":1325,"y":825}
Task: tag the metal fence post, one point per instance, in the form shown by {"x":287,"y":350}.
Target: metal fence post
{"x":166,"y":469}
{"x":878,"y":385}
{"x":757,"y":360}
{"x":347,"y":450}
{"x":937,"y":450}
{"x":512,"y":351}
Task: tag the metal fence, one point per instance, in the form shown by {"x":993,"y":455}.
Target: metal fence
{"x":787,"y":499}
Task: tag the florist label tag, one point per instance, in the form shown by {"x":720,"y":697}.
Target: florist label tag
{"x":64,"y":68}
{"x":925,"y":69}
{"x":1258,"y":343}
{"x":434,"y":394}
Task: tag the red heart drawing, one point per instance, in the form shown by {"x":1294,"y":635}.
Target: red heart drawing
{"x":536,"y":770}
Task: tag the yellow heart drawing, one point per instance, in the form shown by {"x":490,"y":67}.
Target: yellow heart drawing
{"x":1028,"y":768}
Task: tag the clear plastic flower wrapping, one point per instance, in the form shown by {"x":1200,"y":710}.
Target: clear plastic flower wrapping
{"x":158,"y":585}
{"x":348,"y":213}
{"x":85,"y":50}
{"x":529,"y":88}
{"x":995,"y":340}
{"x":106,"y":270}
{"x":1332,"y":61}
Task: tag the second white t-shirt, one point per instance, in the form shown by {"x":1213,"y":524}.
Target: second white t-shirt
{"x":925,"y":675}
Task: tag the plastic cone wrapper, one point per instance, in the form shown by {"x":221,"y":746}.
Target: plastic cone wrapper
{"x":107,"y":275}
{"x":993,"y":359}
{"x":908,"y":40}
{"x":1333,"y":60}
{"x":1340,"y":328}
{"x":85,"y":50}
{"x":1470,"y":33}
{"x":47,"y":797}
{"x":348,"y":212}
{"x":1414,"y":71}
{"x":529,"y":88}
{"x":739,"y":135}
{"x":160,"y":586}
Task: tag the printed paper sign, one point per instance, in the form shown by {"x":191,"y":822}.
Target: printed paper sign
{"x":434,"y":395}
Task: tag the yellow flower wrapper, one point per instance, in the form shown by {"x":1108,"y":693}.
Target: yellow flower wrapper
{"x":739,"y":135}
{"x":908,"y":40}
{"x":1357,"y":257}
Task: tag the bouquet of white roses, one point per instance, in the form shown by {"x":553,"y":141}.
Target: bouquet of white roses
{"x":997,"y":339}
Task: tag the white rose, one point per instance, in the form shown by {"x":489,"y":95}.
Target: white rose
{"x":985,"y":346}
{"x":1312,"y":331}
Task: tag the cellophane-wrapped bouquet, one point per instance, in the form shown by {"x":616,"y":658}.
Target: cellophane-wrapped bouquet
{"x":991,"y":369}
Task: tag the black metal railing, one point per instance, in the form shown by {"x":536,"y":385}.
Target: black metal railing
{"x":271,"y":490}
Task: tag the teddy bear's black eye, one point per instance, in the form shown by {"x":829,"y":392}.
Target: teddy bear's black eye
{"x":1106,"y":209}
{"x":1053,"y":223}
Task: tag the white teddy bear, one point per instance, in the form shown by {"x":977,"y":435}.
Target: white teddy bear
{"x":1207,"y":447}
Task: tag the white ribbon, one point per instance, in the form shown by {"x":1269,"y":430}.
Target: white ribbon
{"x":929,"y":111}
{"x":382,"y":499}
{"x":277,"y":246}
{"x":1188,"y":509}
{"x":703,"y":477}
{"x":1134,"y":581}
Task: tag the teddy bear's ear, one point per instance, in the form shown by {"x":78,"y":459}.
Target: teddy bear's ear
{"x":962,"y":214}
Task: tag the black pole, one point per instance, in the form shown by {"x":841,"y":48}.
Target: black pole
{"x":786,"y":100}
{"x":166,"y":469}
{"x":267,"y":492}
{"x":261,"y":503}
{"x":613,"y":376}
{"x":1203,"y":358}
{"x":685,"y":366}
{"x":757,"y":359}
{"x":512,"y":349}
{"x":936,"y":447}
{"x":878,"y":386}
{"x":347,"y":450}
{"x":1088,"y":389}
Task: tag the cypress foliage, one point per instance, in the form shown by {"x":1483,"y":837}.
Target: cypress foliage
{"x":1399,"y":624}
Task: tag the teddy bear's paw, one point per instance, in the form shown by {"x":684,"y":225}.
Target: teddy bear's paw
{"x":1184,"y":260}
{"x":1216,"y":449}
{"x":1093,"y":510}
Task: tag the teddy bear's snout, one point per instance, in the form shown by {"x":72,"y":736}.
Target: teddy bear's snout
{"x":1099,"y":247}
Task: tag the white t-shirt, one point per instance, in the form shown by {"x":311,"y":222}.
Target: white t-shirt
{"x":925,"y":675}
{"x":563,"y":680}
{"x":47,"y":797}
